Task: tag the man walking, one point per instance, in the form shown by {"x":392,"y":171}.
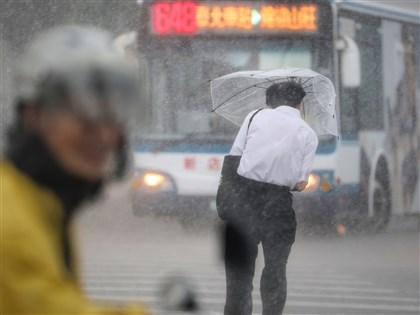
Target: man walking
{"x":277,"y":150}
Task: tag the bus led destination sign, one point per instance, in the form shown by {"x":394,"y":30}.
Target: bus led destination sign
{"x":216,"y":17}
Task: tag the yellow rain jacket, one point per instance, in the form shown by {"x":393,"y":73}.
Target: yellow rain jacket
{"x":34,"y":279}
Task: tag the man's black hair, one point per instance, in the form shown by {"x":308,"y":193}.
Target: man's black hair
{"x":289,"y":93}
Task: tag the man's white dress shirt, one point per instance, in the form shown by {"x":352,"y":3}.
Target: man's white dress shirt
{"x":279,"y":147}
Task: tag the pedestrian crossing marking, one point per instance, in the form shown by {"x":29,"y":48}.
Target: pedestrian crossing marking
{"x":212,"y":280}
{"x":308,"y":288}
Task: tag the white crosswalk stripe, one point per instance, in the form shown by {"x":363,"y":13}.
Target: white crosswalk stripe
{"x":310,"y":290}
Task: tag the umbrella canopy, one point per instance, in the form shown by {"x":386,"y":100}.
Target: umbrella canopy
{"x":236,"y":94}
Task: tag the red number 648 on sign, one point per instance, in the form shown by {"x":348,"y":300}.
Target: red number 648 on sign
{"x":176,"y":17}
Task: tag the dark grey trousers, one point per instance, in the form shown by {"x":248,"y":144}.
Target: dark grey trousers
{"x":266,"y":216}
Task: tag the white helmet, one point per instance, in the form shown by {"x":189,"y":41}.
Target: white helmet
{"x":78,"y":66}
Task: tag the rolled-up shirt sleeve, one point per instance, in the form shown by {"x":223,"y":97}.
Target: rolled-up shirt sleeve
{"x":311,"y":144}
{"x":238,"y":146}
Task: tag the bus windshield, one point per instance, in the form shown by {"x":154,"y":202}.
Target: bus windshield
{"x":180,"y":98}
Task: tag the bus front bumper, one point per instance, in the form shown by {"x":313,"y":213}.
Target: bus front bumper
{"x":172,"y":205}
{"x":318,"y":207}
{"x":334,"y":207}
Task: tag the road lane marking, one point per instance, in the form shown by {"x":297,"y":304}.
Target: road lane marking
{"x":212,"y":287}
{"x":334,"y":305}
{"x":151,"y":292}
{"x":141,"y":267}
{"x":291,"y":293}
{"x":212,"y":279}
{"x":359,"y":306}
{"x":355,"y":297}
{"x":215,"y":272}
{"x":124,"y":270}
{"x":289,"y":303}
{"x":208,"y":290}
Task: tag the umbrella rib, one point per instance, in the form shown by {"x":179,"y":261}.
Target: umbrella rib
{"x":270,"y":80}
{"x":250,"y":87}
{"x":305,"y":82}
{"x":319,"y":114}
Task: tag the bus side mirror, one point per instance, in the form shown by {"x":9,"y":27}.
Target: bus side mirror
{"x":350,"y":62}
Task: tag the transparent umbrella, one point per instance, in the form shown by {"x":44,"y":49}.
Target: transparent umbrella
{"x":236,"y":94}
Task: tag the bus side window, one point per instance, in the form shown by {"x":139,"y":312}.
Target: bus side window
{"x":361,"y":106}
{"x":349,"y":101}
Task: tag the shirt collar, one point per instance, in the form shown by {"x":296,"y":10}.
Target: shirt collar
{"x":288,"y":110}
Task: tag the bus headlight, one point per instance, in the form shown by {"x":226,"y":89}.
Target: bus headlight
{"x":325,"y":185}
{"x":313,"y":182}
{"x":318,"y":182}
{"x":152,"y":180}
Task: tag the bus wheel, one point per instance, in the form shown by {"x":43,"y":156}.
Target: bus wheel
{"x":381,"y":209}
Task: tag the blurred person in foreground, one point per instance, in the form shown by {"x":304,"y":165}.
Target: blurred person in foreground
{"x":277,"y":149}
{"x":73,"y":95}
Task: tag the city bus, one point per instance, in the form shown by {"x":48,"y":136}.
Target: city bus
{"x":371,"y":54}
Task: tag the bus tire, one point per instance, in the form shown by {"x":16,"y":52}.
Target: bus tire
{"x":381,"y":209}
